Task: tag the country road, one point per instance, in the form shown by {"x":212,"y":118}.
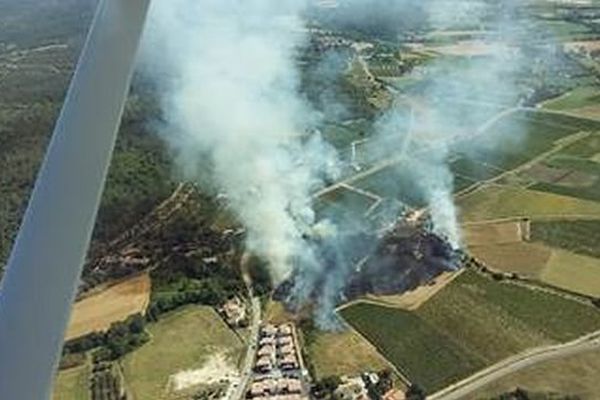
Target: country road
{"x":246,"y":372}
{"x":466,"y":387}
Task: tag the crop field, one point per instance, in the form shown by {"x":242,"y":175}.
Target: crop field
{"x":343,"y":353}
{"x":576,"y":375}
{"x":73,"y":384}
{"x":581,"y":180}
{"x":181,"y":341}
{"x":525,"y":259}
{"x":516,"y":139}
{"x":96,"y":312}
{"x":578,"y":98}
{"x":418,"y":349}
{"x":579,"y":236}
{"x":393,"y":182}
{"x":473,"y":322}
{"x":494,"y":202}
{"x":495,"y":233}
{"x":573,"y":272}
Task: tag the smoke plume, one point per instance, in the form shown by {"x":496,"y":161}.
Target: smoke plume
{"x":231,"y":106}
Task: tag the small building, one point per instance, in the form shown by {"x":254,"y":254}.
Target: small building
{"x":234,"y":312}
{"x":268,"y":331}
{"x":288,"y":363}
{"x":264,"y":365}
{"x":352,"y":389}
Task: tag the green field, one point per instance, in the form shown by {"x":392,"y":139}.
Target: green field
{"x":417,"y":348}
{"x":518,"y":138}
{"x":180,"y":341}
{"x":473,"y":322}
{"x":579,"y":236}
{"x":396,"y":182}
{"x":73,"y":384}
{"x":494,"y":201}
{"x":577,"y":98}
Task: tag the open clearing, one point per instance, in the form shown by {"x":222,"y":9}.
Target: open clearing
{"x":343,"y":353}
{"x":73,"y":384}
{"x":492,"y":202}
{"x":580,"y":98}
{"x":97,"y":312}
{"x":576,"y":375}
{"x":216,"y":369}
{"x":182,"y":341}
{"x":473,"y":322}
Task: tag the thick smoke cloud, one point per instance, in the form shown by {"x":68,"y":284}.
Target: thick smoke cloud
{"x":230,"y":104}
{"x":233,"y":112}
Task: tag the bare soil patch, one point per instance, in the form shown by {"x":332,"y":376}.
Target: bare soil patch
{"x":95,"y":313}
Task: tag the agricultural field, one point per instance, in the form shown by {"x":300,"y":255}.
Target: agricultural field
{"x":343,"y":353}
{"x":576,"y":375}
{"x":577,"y":273}
{"x":517,"y":138}
{"x":494,"y":202}
{"x":578,"y":236}
{"x":393,"y":182}
{"x":415,"y":347}
{"x":526,"y":259}
{"x":577,"y":100}
{"x":73,"y":384}
{"x":180,"y":342}
{"x":98,"y":311}
{"x":473,"y":322}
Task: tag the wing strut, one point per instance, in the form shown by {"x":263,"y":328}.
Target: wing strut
{"x":46,"y":261}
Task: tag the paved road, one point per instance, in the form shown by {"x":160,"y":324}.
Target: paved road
{"x":466,"y":387}
{"x":246,"y":372}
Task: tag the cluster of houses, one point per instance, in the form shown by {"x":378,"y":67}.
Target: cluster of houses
{"x":276,"y":389}
{"x":276,"y":349}
{"x":277,"y":366}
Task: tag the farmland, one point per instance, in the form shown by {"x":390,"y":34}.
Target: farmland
{"x":343,"y":353}
{"x":493,"y":202}
{"x":96,"y":312}
{"x":576,"y":375}
{"x":472,"y":322}
{"x":72,"y":384}
{"x":573,"y":272}
{"x":579,"y":236}
{"x":409,"y":342}
{"x":576,"y":99}
{"x":181,"y":341}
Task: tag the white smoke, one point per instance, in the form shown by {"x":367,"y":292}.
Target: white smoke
{"x":230,"y":102}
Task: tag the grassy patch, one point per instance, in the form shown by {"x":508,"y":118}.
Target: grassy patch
{"x":492,"y":202}
{"x":180,"y":341}
{"x":73,"y":384}
{"x":343,"y":353}
{"x":471,"y":323}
